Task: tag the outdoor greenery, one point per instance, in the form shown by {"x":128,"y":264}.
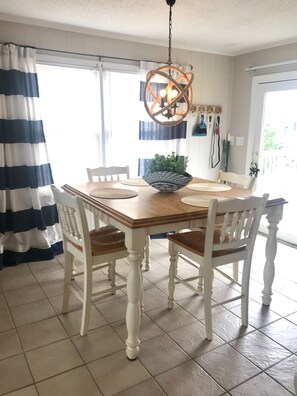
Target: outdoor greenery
{"x":269,"y":141}
{"x":171,"y":163}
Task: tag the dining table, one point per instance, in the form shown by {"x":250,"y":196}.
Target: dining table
{"x":139,"y":210}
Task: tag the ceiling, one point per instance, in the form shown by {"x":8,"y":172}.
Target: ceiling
{"x":228,"y":27}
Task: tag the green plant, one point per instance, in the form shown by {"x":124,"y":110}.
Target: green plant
{"x":171,"y":163}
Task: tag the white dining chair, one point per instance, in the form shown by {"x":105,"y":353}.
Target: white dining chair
{"x":95,"y":249}
{"x":209,"y":248}
{"x":105,"y":173}
{"x":236,"y":180}
{"x":115,"y":173}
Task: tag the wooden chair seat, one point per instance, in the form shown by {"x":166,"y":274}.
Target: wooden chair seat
{"x":194,"y":241}
{"x":105,"y":240}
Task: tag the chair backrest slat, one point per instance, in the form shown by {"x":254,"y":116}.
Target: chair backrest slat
{"x":108,"y":173}
{"x":239,"y":225}
{"x":72,"y":218}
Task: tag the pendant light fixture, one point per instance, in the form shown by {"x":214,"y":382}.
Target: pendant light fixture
{"x":170,"y":104}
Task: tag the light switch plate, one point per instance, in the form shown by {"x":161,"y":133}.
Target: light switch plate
{"x":239,"y":140}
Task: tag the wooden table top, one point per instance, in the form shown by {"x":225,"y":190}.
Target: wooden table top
{"x":151,"y":207}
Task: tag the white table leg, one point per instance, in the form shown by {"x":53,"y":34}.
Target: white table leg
{"x":273,"y":217}
{"x":133,"y":313}
{"x":147,"y":253}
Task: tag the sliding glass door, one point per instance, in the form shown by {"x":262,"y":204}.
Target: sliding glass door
{"x":274,"y":144}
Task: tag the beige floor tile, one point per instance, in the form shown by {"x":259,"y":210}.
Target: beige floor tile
{"x":72,"y":321}
{"x":228,"y":367}
{"x":256,"y":289}
{"x":77,"y":382}
{"x":107,"y":297}
{"x":160,"y":354}
{"x":98,"y":343}
{"x":195,"y":306}
{"x":188,"y":379}
{"x":28,"y":391}
{"x":180,"y":292}
{"x":32,"y":312}
{"x":6,"y":322}
{"x":146,"y":388}
{"x":16,"y":277}
{"x":148,"y":329}
{"x":191,"y":338}
{"x":292,"y":318}
{"x":9,"y":344}
{"x":171,"y":319}
{"x":24,"y":295}
{"x":223,"y":293}
{"x":284,"y":332}
{"x":281,"y":304}
{"x":283,"y":372}
{"x":38,"y":334}
{"x":57,"y":302}
{"x":53,"y":287}
{"x":3,"y":304}
{"x":114,"y":309}
{"x":116,"y":373}
{"x":228,"y":326}
{"x":157,"y":272}
{"x":259,"y":315}
{"x":14,"y":374}
{"x":45,"y":270}
{"x":260,"y":349}
{"x":261,"y":385}
{"x":154,"y":298}
{"x":60,"y":259}
{"x":50,"y":276}
{"x":53,"y":359}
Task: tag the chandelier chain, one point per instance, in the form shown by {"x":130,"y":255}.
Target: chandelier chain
{"x":170,"y":36}
{"x":170,"y":104}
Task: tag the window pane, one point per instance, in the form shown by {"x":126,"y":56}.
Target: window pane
{"x":70,"y":104}
{"x":121,"y":119}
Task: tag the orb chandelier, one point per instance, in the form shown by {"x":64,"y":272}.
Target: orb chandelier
{"x":170,"y":104}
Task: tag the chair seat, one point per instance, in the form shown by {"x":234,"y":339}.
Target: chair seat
{"x":194,"y":241}
{"x":105,"y":240}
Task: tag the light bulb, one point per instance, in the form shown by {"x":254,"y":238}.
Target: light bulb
{"x":173,"y":93}
{"x":163,"y":93}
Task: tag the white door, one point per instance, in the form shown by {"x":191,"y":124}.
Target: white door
{"x":273,"y":143}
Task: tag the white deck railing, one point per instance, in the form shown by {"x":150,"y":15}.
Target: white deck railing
{"x":277,"y":161}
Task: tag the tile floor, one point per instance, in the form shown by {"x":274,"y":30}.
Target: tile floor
{"x":42,"y":353}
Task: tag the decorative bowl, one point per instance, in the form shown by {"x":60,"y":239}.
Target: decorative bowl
{"x":167,"y":181}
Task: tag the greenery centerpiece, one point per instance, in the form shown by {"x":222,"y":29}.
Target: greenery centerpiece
{"x":167,"y":173}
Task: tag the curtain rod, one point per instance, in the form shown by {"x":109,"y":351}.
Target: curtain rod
{"x":252,"y":68}
{"x":79,"y":53}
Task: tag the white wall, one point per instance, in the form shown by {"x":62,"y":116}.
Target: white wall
{"x":212,"y":73}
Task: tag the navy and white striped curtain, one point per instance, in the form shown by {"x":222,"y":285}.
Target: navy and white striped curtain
{"x":155,"y":138}
{"x":29,"y":229}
